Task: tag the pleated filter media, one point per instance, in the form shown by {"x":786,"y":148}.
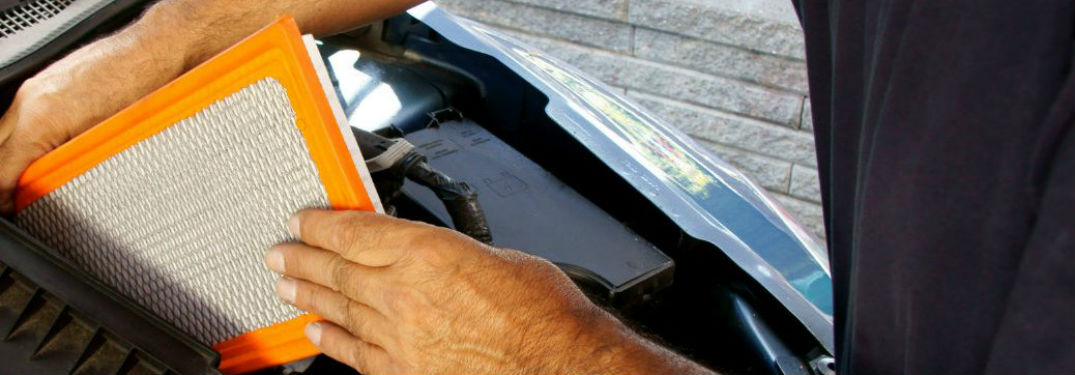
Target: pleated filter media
{"x":179,"y":220}
{"x":170,"y":219}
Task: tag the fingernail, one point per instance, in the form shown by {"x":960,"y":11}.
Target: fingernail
{"x":293,"y":225}
{"x":313,"y":332}
{"x":285,"y":288}
{"x":274,"y":258}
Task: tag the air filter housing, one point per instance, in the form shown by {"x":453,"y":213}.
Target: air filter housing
{"x":174,"y":200}
{"x":26,"y":26}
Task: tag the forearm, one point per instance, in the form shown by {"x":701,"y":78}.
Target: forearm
{"x":616,"y":349}
{"x":650,"y":358}
{"x":172,"y":37}
{"x":207,"y":27}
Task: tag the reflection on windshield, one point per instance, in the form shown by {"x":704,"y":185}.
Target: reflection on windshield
{"x":681,"y":167}
{"x":370,"y":103}
{"x":669,"y":159}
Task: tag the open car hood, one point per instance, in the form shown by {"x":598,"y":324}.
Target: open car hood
{"x":708,"y":198}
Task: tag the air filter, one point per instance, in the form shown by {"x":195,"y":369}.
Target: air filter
{"x":174,"y":200}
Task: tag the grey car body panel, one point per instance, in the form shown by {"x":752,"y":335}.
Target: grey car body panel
{"x":709,"y":199}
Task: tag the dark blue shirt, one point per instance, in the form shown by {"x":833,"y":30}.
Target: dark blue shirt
{"x":947,"y":161}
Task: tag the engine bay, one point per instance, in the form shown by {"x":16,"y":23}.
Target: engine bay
{"x":541,"y":190}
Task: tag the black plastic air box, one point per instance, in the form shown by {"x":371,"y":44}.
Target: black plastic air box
{"x":56,"y":319}
{"x":530,"y":210}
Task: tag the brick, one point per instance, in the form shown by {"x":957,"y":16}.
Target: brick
{"x":804,"y":184}
{"x":681,"y":84}
{"x":776,"y":10}
{"x":770,"y":173}
{"x":707,"y":21}
{"x":614,"y":36}
{"x":718,"y":59}
{"x":608,"y":9}
{"x":731,"y":130}
{"x":808,"y":214}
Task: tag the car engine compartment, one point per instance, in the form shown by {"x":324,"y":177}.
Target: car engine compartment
{"x":540,"y":191}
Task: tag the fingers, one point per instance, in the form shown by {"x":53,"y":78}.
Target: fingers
{"x":360,"y":320}
{"x":366,"y":238}
{"x":24,"y":137}
{"x":337,"y":343}
{"x":310,"y":263}
{"x":7,"y":122}
{"x":15,"y":156}
{"x":330,"y":270}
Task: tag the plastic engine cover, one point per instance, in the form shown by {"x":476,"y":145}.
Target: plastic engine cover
{"x":530,"y":210}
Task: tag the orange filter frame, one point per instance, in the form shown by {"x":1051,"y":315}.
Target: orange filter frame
{"x":277,"y":51}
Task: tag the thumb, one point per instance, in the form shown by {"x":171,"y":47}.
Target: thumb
{"x":15,"y":155}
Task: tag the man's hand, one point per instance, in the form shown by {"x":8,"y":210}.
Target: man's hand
{"x":79,"y":91}
{"x":402,"y":296}
{"x":98,"y":80}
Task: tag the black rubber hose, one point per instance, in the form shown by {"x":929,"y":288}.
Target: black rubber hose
{"x":459,"y":199}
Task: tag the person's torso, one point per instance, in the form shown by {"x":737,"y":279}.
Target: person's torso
{"x":937,"y":124}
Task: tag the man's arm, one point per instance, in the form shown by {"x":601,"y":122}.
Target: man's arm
{"x":407,"y":297}
{"x":173,"y":36}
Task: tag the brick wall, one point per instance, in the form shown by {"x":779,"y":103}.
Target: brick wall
{"x":730,"y":75}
